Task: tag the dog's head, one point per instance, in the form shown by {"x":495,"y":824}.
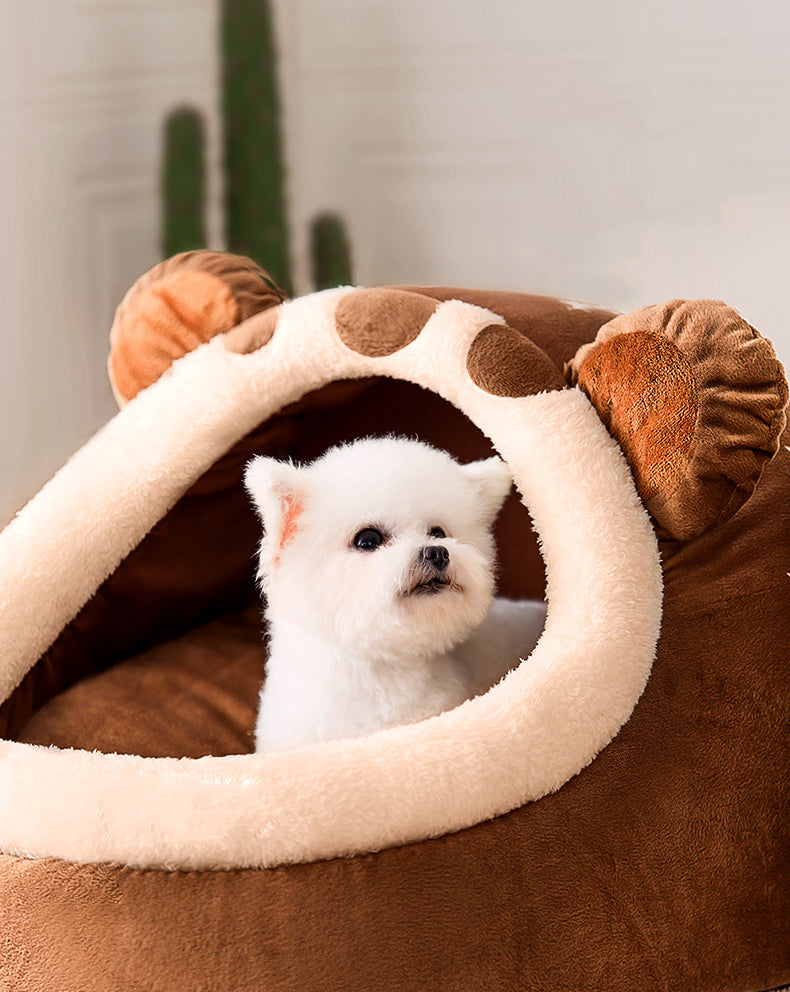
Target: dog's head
{"x":383,"y":545}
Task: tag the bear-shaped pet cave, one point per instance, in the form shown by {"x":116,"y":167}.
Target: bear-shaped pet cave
{"x":606,"y":817}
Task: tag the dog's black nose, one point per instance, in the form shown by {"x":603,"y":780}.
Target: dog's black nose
{"x":437,"y":555}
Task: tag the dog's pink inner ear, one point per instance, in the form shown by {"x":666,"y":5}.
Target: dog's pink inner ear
{"x":292,"y":510}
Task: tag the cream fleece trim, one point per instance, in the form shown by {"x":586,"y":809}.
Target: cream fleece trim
{"x":524,"y":738}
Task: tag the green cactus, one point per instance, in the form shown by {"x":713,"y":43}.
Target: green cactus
{"x":255,"y":204}
{"x":254,"y":188}
{"x":183,"y":182}
{"x":330,"y":252}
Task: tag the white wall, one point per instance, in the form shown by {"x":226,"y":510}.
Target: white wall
{"x":84,"y":88}
{"x":616,"y":151}
{"x":620,"y":151}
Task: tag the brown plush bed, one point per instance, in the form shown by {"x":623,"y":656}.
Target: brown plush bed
{"x":613,"y":816}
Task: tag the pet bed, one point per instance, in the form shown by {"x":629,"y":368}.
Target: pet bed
{"x":613,"y":815}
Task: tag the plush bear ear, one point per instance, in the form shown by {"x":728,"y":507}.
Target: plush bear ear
{"x":180,"y":304}
{"x":695,"y":397}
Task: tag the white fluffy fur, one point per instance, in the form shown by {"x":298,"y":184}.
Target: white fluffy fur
{"x":525,"y":737}
{"x":351,"y":648}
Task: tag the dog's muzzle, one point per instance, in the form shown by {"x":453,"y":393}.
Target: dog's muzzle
{"x":428,"y":573}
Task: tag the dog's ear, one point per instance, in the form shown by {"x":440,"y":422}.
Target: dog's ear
{"x":492,"y":479}
{"x":277,"y":492}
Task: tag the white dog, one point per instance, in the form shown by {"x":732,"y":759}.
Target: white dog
{"x":377,"y":563}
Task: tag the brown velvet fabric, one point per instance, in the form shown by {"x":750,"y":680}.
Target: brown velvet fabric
{"x":644,"y":390}
{"x":721,"y":378}
{"x":183,"y":698}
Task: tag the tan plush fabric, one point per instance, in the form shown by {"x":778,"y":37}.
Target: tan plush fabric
{"x":696,"y":398}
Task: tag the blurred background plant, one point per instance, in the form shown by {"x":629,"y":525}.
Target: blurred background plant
{"x":255,"y":221}
{"x":618,"y":153}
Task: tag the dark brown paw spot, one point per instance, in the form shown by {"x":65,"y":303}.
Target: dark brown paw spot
{"x":504,"y":362}
{"x":378,"y":322}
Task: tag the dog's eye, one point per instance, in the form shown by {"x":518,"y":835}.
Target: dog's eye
{"x":368,"y":539}
{"x":436,"y":532}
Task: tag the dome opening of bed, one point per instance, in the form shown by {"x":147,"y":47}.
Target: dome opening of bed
{"x":180,"y":619}
{"x":597,"y":808}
